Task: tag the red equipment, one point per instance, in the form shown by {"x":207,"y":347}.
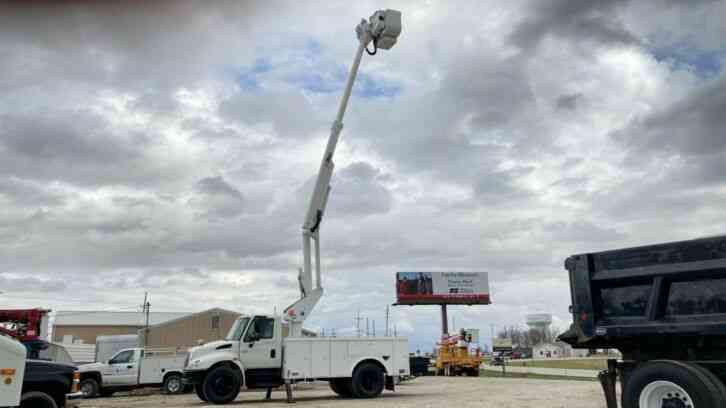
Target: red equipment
{"x":23,"y":324}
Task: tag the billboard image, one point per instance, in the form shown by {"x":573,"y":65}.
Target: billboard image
{"x":434,"y":288}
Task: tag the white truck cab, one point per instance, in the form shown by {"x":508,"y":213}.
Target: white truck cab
{"x":134,"y":368}
{"x":255,"y":355}
{"x":12,"y":370}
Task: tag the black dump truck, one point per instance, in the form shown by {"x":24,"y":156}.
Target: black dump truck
{"x":664,"y":308}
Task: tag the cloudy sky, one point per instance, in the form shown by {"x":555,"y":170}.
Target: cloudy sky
{"x":171,"y":148}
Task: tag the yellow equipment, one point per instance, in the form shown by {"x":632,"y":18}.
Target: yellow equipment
{"x":455,"y":356}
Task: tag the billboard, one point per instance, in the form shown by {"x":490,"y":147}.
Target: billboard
{"x":437,"y":288}
{"x":501,"y":344}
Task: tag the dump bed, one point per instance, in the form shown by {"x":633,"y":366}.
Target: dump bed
{"x":670,"y":290}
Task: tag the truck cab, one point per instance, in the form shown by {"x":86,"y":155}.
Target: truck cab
{"x":253,"y":347}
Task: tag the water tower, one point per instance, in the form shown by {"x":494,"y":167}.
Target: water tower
{"x":539,"y":321}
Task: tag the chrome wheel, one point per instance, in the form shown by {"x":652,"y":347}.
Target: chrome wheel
{"x":173,"y":385}
{"x":664,"y":394}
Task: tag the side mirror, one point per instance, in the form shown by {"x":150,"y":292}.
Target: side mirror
{"x":252,"y":338}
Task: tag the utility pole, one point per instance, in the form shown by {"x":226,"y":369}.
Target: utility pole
{"x":357,"y":319}
{"x":146,"y":308}
{"x":388,"y":316}
{"x":368,"y":333}
{"x":374,"y":328}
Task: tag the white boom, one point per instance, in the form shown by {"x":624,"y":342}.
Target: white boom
{"x":382,"y":29}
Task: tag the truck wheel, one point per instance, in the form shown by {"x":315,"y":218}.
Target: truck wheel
{"x":37,"y":399}
{"x":367,"y":381}
{"x":90,"y":388}
{"x":222,"y":385}
{"x":670,"y":383}
{"x":342,"y":387}
{"x":200,"y":392}
{"x":173,"y":384}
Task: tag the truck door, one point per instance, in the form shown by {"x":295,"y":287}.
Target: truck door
{"x":261,"y":345}
{"x":124,"y":367}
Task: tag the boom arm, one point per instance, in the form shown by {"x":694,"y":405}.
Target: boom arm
{"x":382,"y":30}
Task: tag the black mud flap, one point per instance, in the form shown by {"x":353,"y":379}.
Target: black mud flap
{"x":390,"y":383}
{"x":608,"y":379}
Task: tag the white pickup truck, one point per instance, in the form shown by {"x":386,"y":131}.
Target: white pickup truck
{"x":255,"y":355}
{"x":134,"y":368}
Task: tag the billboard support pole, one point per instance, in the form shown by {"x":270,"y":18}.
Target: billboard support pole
{"x":444,"y":321}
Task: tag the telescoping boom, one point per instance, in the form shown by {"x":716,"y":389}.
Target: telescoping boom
{"x":381,"y":30}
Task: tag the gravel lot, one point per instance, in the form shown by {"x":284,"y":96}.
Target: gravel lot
{"x":424,"y":392}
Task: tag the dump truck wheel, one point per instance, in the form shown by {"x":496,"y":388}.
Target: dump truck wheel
{"x":222,"y":385}
{"x":342,"y":387}
{"x":37,"y":399}
{"x":368,"y":381}
{"x":656,"y":383}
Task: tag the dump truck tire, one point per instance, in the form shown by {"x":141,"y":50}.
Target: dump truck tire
{"x":653,"y":383}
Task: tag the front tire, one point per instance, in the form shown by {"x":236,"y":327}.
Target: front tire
{"x":173,"y":384}
{"x":200,"y":392}
{"x":37,"y":399}
{"x":653,"y":384}
{"x":342,"y":387}
{"x":368,"y":381}
{"x":90,"y":388}
{"x":222,"y":385}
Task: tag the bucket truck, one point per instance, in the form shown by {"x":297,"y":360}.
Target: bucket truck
{"x":254,"y":353}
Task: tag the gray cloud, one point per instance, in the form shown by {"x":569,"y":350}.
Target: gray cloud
{"x":569,"y":101}
{"x":144,"y":148}
{"x":577,"y":21}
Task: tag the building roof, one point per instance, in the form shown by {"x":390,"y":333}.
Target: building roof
{"x":106,"y":318}
{"x":185,"y":316}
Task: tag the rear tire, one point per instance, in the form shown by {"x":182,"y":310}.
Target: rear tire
{"x":37,"y":399}
{"x":222,"y":385}
{"x":342,"y":387}
{"x":200,"y":392}
{"x":368,"y":381}
{"x":90,"y":388}
{"x":653,"y":383}
{"x":173,"y":384}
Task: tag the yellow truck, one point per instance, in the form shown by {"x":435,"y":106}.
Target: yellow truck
{"x":456,"y":356}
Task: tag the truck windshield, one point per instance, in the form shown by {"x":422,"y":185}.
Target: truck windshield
{"x":235,"y":332}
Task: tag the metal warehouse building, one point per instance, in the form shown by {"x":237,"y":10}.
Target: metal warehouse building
{"x":189,"y":330}
{"x":87,"y":325}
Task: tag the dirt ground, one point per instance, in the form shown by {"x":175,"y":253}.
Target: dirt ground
{"x":423,"y":392}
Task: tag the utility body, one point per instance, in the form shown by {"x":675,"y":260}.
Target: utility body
{"x":134,"y":368}
{"x":664,"y":308}
{"x":255,"y":354}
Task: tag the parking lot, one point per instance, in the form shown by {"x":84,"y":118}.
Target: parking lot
{"x":424,"y":392}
